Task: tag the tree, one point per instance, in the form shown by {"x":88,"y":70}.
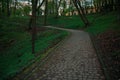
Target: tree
{"x":8,"y":8}
{"x":46,"y":11}
{"x":15,"y":6}
{"x":34,"y":6}
{"x":118,"y":9}
{"x":26,"y":10}
{"x":57,"y":7}
{"x":40,"y":4}
{"x":64,"y":5}
{"x":37,"y":10}
{"x":81,"y":12}
{"x":105,"y":5}
{"x":5,"y":7}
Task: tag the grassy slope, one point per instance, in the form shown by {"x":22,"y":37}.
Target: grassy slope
{"x":19,"y":53}
{"x":16,"y":44}
{"x":106,"y":30}
{"x":72,"y":22}
{"x":103,"y":23}
{"x":100,"y":23}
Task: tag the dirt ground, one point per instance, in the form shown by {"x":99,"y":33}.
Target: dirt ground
{"x":110,"y":44}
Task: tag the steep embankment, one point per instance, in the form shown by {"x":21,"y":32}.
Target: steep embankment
{"x":106,"y":30}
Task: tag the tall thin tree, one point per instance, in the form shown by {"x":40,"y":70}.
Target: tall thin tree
{"x":45,"y":13}
{"x":34,"y":6}
{"x":8,"y":8}
{"x":81,"y":12}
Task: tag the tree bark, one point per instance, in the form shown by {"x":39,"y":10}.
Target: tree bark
{"x":46,"y":11}
{"x":8,"y":8}
{"x":57,"y":8}
{"x":118,"y":9}
{"x":40,"y":5}
{"x":15,"y":6}
{"x":34,"y":4}
{"x":37,"y":10}
{"x":3,"y":8}
{"x":81,"y":13}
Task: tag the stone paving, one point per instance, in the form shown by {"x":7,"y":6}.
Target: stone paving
{"x":75,"y":59}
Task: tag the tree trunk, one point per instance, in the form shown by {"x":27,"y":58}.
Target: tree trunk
{"x":37,"y":10}
{"x":81,"y":12}
{"x":118,"y":9}
{"x":40,"y":5}
{"x":57,"y":8}
{"x":3,"y":8}
{"x":15,"y":3}
{"x":46,"y":7}
{"x":30,"y":24}
{"x":8,"y":8}
{"x":34,"y":4}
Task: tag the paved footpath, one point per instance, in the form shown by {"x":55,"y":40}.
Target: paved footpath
{"x":75,"y":59}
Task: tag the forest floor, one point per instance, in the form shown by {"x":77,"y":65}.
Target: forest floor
{"x":106,"y":32}
{"x":109,"y":43}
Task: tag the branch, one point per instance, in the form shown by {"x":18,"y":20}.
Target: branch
{"x":40,"y":5}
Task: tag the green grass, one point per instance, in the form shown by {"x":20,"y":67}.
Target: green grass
{"x":73,"y":22}
{"x":103,"y":23}
{"x":99,"y":23}
{"x":15,"y":42}
{"x":17,"y":54}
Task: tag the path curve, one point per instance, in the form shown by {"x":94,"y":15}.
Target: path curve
{"x":75,"y":59}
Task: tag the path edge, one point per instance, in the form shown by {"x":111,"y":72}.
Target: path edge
{"x":49,"y":53}
{"x":98,"y":52}
{"x":42,"y":61}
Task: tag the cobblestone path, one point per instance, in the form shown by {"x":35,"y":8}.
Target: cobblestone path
{"x":75,"y":59}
